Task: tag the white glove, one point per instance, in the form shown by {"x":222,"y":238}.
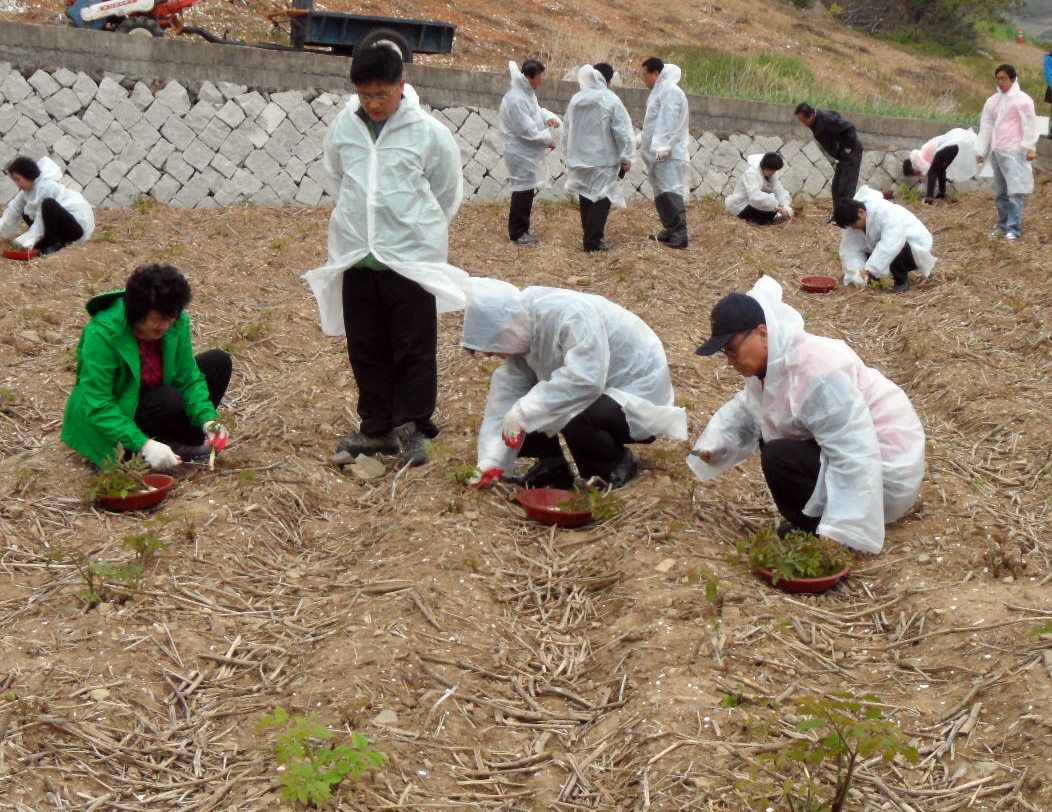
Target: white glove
{"x":159,"y":456}
{"x":855,"y":278}
{"x":661,"y":154}
{"x":216,"y":434}
{"x":513,"y":431}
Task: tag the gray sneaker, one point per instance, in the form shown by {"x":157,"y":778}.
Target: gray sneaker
{"x":413,"y":444}
{"x":527,"y":239}
{"x":370,"y":445}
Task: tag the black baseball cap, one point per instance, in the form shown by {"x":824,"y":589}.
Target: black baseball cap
{"x":734,"y":313}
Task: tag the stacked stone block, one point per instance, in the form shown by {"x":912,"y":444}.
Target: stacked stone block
{"x":118,"y":139}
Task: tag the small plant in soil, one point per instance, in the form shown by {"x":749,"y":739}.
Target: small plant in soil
{"x":463,"y":474}
{"x":99,"y":577}
{"x":1041,"y":629}
{"x":603,"y":504}
{"x":312,"y":769}
{"x":120,"y":477}
{"x":798,"y":555}
{"x":879,"y":283}
{"x":146,"y":545}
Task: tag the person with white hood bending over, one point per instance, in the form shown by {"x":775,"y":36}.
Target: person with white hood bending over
{"x":600,"y":146}
{"x":387,"y":277}
{"x":666,"y":127}
{"x":881,"y":238}
{"x":575,"y":364}
{"x":759,"y":196}
{"x":524,"y":125}
{"x":840,"y":445}
{"x":950,"y":156}
{"x":1008,"y":140}
{"x":56,"y":215}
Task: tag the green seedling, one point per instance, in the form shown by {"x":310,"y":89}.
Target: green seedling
{"x":311,"y":769}
{"x":1041,"y":629}
{"x":119,"y":477}
{"x":603,"y":504}
{"x":463,"y":474}
{"x":143,"y":204}
{"x":147,"y":546}
{"x":798,"y":555}
{"x":879,"y":282}
{"x":98,"y":576}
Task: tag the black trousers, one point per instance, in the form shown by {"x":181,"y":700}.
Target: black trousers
{"x":392,"y":343}
{"x":160,"y":413}
{"x":673,"y":213}
{"x":791,"y":469}
{"x":519,"y":213}
{"x":845,"y":176}
{"x":593,"y":221}
{"x":60,"y":227}
{"x":597,"y":438}
{"x":940,"y":162}
{"x":901,"y":266}
{"x":758,"y":216}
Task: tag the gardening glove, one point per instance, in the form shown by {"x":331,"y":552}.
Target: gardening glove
{"x":216,"y":434}
{"x":489,"y":472}
{"x":709,"y":456}
{"x":159,"y":456}
{"x":513,"y":432}
{"x":661,"y":154}
{"x":855,"y":278}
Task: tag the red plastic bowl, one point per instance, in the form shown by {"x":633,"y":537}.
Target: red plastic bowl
{"x":540,"y":504}
{"x":804,"y":585}
{"x":22,"y":256}
{"x":818,"y":284}
{"x":162,"y":483}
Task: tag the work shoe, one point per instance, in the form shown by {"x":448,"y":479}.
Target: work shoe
{"x":625,"y":471}
{"x":527,"y":239}
{"x":780,"y":218}
{"x":661,"y":236}
{"x":995,"y":234}
{"x":547,"y":472}
{"x":784,"y":529}
{"x":603,"y":246}
{"x":930,"y":201}
{"x":681,"y":244}
{"x":1012,"y":236}
{"x":901,"y":287}
{"x":413,"y":444}
{"x":369,"y":444}
{"x":189,"y":453}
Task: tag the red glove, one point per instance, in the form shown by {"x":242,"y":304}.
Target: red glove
{"x":487,"y":478}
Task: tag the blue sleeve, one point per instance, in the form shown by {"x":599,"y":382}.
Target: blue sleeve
{"x":1048,"y":69}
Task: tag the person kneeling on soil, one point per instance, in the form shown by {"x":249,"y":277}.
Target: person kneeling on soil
{"x":56,"y":216}
{"x":841,"y":447}
{"x":950,"y":156}
{"x":759,"y":196}
{"x":138,"y":382}
{"x":880,"y":238}
{"x":574,"y":364}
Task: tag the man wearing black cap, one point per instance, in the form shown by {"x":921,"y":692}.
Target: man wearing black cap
{"x":840,"y":445}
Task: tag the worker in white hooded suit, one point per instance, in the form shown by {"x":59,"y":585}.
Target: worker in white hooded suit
{"x":842,"y":449}
{"x":387,"y":277}
{"x":666,"y":129}
{"x":56,"y":214}
{"x":600,"y":146}
{"x":575,"y":364}
{"x":524,"y":124}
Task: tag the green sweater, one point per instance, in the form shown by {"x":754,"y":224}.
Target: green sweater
{"x":101,"y":408}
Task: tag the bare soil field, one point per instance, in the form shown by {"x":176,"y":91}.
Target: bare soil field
{"x":502,"y":665}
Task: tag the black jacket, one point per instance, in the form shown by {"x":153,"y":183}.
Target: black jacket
{"x":834,"y":134}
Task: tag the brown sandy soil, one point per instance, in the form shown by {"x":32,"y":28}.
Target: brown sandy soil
{"x":525,"y":669}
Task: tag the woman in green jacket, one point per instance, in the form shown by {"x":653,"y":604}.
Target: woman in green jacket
{"x":138,"y":382}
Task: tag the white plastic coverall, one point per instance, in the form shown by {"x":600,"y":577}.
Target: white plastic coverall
{"x":753,"y":189}
{"x":28,"y":203}
{"x":872,"y":443}
{"x":396,"y":199}
{"x":666,"y":127}
{"x":599,"y":138}
{"x":963,"y":166}
{"x":524,"y":125}
{"x":1008,"y":127}
{"x":565,"y":350}
{"x":889,"y":227}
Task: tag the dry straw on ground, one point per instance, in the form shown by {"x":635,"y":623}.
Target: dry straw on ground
{"x":526,"y":669}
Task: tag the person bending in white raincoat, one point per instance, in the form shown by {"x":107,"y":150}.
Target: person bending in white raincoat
{"x":600,"y":146}
{"x":950,"y":156}
{"x":574,"y":364}
{"x":1008,"y":143}
{"x":880,"y":238}
{"x":759,"y":196}
{"x":387,"y":277}
{"x":524,"y":125}
{"x":56,"y":216}
{"x":666,"y":127}
{"x":840,"y":445}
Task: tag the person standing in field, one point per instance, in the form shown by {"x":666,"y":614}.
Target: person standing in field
{"x":666,"y":126}
{"x":841,"y":144}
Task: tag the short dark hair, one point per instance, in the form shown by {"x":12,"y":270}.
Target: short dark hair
{"x":26,"y":167}
{"x":805,"y":109}
{"x":605,"y":69}
{"x":156,"y":287}
{"x":907,"y":168}
{"x":532,"y":68}
{"x":771,"y":160}
{"x":845,"y":212}
{"x":378,"y":63}
{"x":653,"y":65}
{"x":1007,"y":69}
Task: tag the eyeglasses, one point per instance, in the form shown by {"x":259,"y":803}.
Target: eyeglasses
{"x":367,"y":98}
{"x":732,"y":352}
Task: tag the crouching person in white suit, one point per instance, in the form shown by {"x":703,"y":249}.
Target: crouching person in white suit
{"x":881,"y":238}
{"x":841,"y":447}
{"x":759,"y":196}
{"x":575,"y":364}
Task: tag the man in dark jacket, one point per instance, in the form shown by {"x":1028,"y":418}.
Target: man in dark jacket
{"x":838,"y":139}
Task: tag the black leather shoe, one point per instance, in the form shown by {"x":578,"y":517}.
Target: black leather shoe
{"x":549,"y":472}
{"x":661,"y":236}
{"x":784,"y":529}
{"x":625,"y":471}
{"x":901,"y":287}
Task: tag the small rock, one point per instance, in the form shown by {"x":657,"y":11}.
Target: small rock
{"x":574,"y":280}
{"x":293,"y":575}
{"x":99,"y":694}
{"x":30,"y":335}
{"x":15,"y":511}
{"x":985,"y":768}
{"x":923,"y":558}
{"x":666,"y":565}
{"x":368,"y":467}
{"x":325,"y":428}
{"x":1046,"y":655}
{"x":385,"y":718}
{"x":104,"y":608}
{"x":897,"y":89}
{"x":53,"y":336}
{"x":341,"y":458}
